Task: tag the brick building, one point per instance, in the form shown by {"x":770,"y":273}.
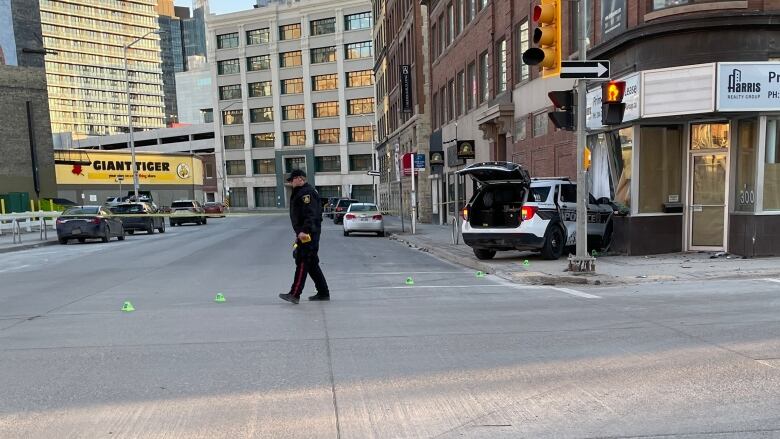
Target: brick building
{"x":401,"y":39}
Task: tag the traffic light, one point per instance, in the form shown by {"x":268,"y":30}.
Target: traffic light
{"x":612,"y":106}
{"x":547,"y":36}
{"x":563,"y":100}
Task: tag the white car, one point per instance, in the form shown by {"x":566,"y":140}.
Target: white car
{"x":364,"y":217}
{"x":511,"y":211}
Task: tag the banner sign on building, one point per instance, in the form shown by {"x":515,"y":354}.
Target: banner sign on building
{"x":7,"y":38}
{"x":158,"y":169}
{"x":466,"y":149}
{"x":406,"y":88}
{"x":748,"y":86}
{"x":436,"y":158}
{"x":613,"y":18}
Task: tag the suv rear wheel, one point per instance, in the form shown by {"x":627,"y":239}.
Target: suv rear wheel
{"x":554,"y":242}
{"x":484,"y":254}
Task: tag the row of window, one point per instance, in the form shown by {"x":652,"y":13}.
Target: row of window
{"x":294,"y":112}
{"x":357,"y":162}
{"x":323,"y":26}
{"x":455,"y":17}
{"x":362,"y":78}
{"x":294,"y":58}
{"x":266,"y":196}
{"x":325,"y":136}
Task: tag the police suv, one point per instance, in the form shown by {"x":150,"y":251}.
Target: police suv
{"x":511,"y":211}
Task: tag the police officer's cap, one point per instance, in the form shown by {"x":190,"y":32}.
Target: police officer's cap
{"x":296,"y":173}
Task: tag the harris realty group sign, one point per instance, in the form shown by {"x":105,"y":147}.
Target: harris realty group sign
{"x":748,"y":86}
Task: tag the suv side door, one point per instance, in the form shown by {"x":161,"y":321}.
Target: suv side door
{"x":567,"y":202}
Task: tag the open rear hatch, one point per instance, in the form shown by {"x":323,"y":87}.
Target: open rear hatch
{"x":503,"y":189}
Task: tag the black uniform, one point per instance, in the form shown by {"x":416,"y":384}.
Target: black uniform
{"x":306,"y":217}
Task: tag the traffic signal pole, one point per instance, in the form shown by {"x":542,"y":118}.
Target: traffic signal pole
{"x":582,"y":262}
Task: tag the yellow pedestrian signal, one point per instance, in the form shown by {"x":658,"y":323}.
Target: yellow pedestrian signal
{"x":547,"y":36}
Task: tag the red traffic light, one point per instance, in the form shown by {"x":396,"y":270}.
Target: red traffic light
{"x":612,"y":92}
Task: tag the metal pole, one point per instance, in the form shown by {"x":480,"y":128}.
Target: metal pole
{"x":414,"y":196}
{"x":582,"y":183}
{"x":130,"y":124}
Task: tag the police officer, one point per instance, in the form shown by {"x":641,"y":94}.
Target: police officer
{"x":306,"y":217}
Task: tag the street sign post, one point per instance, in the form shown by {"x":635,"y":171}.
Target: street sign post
{"x":373,"y":173}
{"x":577,"y":69}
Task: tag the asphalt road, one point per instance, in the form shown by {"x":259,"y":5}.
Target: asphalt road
{"x":451,"y":356}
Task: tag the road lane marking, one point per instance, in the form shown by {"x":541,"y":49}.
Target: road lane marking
{"x":411,"y":287}
{"x":575,"y":293}
{"x":20,"y":267}
{"x":772,"y":280}
{"x":403,"y":272}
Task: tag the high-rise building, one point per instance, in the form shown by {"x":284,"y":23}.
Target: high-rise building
{"x":293,"y":88}
{"x":193,"y":31}
{"x":86,"y":78}
{"x":172,"y":53}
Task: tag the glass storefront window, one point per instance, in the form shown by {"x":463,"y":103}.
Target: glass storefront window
{"x":660,"y":167}
{"x":609,"y":166}
{"x":772,"y":166}
{"x":710,"y":136}
{"x":745,"y":194}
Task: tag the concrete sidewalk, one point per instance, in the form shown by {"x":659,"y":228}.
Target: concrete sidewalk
{"x":530,"y":268}
{"x":28,"y":241}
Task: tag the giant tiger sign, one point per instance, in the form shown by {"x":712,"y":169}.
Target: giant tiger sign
{"x":153,"y":169}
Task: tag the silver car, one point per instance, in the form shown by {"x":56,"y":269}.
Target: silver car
{"x":364,"y":217}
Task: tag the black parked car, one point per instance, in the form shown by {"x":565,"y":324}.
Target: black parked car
{"x":89,"y":222}
{"x":341,"y":209}
{"x":139,"y":216}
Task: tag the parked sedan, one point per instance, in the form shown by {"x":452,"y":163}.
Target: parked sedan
{"x":214,"y":209}
{"x":364,"y":217}
{"x":89,"y":222}
{"x":139,"y":216}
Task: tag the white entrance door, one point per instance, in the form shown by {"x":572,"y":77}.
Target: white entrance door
{"x":707,"y":208}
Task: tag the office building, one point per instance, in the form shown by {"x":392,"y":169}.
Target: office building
{"x":294,"y":89}
{"x":172,"y":53}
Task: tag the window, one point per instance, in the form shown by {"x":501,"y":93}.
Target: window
{"x":709,"y":136}
{"x":235,"y":167}
{"x":484,"y":91}
{"x":360,"y":134}
{"x":540,"y":124}
{"x":259,"y":89}
{"x":265,"y":197}
{"x":363,"y":193}
{"x":521,"y":129}
{"x":330,"y":163}
{"x":264,"y":166}
{"x":468,"y":9}
{"x":228,"y":67}
{"x":461,"y":93}
{"x":358,"y":21}
{"x":238,"y":197}
{"x":209,"y":169}
{"x":451,"y":23}
{"x":361,"y":162}
{"x":292,"y":112}
{"x":227,"y":92}
{"x":445,"y":114}
{"x":361,"y":78}
{"x":745,"y":196}
{"x":459,"y":19}
{"x":227,"y":41}
{"x":290,"y":31}
{"x":358,"y":50}
{"x":436,"y":49}
{"x":501,"y":67}
{"x":292,"y":163}
{"x":323,"y":54}
{"x":233,"y":117}
{"x":234,"y":141}
{"x":361,"y":106}
{"x":290,"y":59}
{"x":451,"y":100}
{"x":481,"y":4}
{"x":257,"y":36}
{"x":663,"y":4}
{"x":435,"y":112}
{"x":207,"y":115}
{"x":257,"y":63}
{"x":265,"y":114}
{"x":329,"y":191}
{"x":471,"y":85}
{"x":660,"y":167}
{"x":292,"y":86}
{"x":522,"y":43}
{"x":326,"y":109}
{"x":442,"y":35}
{"x":772,"y":165}
{"x":263,"y":140}
{"x":326,"y":136}
{"x":325,"y":82}
{"x":323,"y":27}
{"x":294,"y":138}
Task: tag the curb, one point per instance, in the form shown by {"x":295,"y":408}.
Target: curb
{"x":20,"y":247}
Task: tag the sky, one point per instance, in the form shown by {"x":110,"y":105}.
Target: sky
{"x":222,"y":6}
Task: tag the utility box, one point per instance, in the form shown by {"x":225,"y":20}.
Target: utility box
{"x":16,"y":201}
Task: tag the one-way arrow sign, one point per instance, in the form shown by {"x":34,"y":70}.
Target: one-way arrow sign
{"x":585,"y":69}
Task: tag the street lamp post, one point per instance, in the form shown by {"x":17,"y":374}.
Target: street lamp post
{"x":129,"y":111}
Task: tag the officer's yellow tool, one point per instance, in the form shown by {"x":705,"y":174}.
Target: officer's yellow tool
{"x":306,"y":238}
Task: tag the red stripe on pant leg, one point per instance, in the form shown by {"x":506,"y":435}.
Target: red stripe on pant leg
{"x":298,"y":278}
